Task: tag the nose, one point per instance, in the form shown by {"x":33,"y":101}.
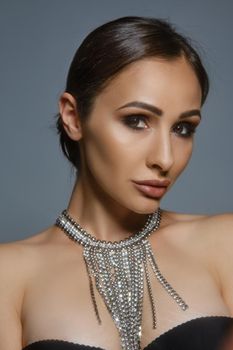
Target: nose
{"x":160,"y":153}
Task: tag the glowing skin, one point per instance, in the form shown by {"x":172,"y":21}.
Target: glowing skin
{"x":121,"y":144}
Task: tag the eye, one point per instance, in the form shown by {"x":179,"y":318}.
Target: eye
{"x":185,"y":129}
{"x":136,"y":122}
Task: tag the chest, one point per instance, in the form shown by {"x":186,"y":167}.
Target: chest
{"x":58,"y":303}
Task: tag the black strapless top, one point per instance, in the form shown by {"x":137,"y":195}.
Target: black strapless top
{"x":202,"y":333}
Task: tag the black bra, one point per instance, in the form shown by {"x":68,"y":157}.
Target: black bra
{"x":202,"y":333}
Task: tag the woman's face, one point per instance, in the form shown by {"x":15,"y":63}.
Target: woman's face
{"x":141,"y":128}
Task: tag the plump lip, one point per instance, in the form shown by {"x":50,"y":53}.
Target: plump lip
{"x":151,"y":191}
{"x":154,"y":183}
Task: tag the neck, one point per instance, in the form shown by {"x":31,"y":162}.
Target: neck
{"x":100,"y":215}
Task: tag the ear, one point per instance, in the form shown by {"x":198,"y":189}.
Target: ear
{"x":70,"y":117}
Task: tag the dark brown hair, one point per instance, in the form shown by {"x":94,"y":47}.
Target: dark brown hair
{"x":110,"y":48}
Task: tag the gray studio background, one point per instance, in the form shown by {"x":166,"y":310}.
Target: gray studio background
{"x":38,"y":40}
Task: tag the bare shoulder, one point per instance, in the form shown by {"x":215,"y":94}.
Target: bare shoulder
{"x":219,"y":221}
{"x":24,"y":257}
{"x":16,"y":258}
{"x":210,"y":239}
{"x":218,"y":230}
{"x":208,"y":221}
{"x":12,"y":274}
{"x":17,"y":264}
{"x":220,"y":234}
{"x":211,"y":231}
{"x":171,"y":217}
{"x":21,"y":254}
{"x":215,"y":233}
{"x":211,"y":235}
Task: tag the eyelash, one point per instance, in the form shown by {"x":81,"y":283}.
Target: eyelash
{"x":131,"y":120}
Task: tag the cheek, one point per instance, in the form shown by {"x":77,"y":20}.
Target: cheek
{"x":113,"y":147}
{"x":110,"y":163}
{"x":107,"y":153}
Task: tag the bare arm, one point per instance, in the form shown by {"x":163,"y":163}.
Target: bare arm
{"x":11,"y":295}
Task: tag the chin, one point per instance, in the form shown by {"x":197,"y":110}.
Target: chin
{"x":147,"y":206}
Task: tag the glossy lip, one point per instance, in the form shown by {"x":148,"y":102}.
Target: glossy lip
{"x":154,"y":183}
{"x":151,"y":191}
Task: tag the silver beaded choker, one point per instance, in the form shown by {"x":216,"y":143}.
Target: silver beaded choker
{"x":118,"y":269}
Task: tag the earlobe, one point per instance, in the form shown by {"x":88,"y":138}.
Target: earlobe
{"x":70,"y":117}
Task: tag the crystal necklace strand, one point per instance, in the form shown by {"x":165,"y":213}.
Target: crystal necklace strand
{"x":118,"y":269}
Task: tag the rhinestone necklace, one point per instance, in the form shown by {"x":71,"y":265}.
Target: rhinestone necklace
{"x":118,"y":269}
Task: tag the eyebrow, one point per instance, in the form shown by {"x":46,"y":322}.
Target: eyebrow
{"x":158,"y":111}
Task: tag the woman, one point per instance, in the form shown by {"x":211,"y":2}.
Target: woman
{"x":127,"y":120}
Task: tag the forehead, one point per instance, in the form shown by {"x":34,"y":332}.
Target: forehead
{"x":156,"y":81}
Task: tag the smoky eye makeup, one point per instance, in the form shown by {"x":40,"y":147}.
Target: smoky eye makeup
{"x":135,"y":121}
{"x":185,"y":129}
{"x":139,"y":122}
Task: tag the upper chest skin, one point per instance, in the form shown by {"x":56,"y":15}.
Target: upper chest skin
{"x":57,"y":302}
